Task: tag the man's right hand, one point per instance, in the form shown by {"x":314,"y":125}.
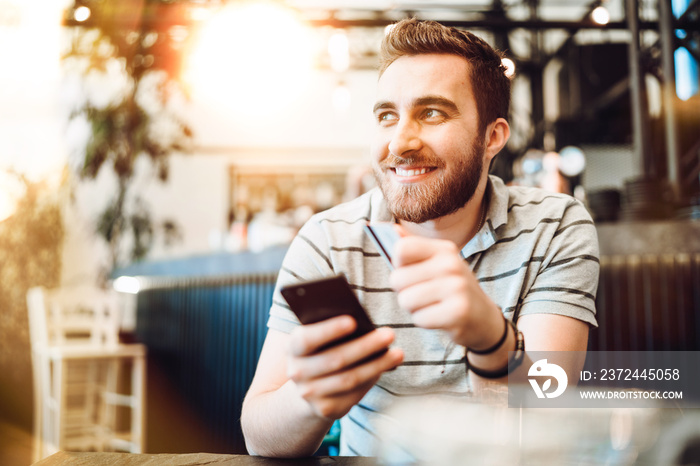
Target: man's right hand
{"x":334,"y":379}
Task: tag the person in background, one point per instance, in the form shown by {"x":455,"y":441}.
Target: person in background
{"x":481,"y":269}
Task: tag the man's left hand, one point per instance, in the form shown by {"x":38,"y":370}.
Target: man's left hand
{"x":435,"y":284}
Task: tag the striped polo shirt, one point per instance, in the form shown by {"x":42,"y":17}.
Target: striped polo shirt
{"x":537,"y":253}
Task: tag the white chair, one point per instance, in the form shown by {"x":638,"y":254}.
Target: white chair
{"x":89,"y":389}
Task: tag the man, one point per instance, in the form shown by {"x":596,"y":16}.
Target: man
{"x":473,"y":252}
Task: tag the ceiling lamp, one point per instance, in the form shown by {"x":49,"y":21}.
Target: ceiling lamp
{"x":339,"y":51}
{"x":600,"y":15}
{"x":82,"y":13}
{"x":509,"y":66}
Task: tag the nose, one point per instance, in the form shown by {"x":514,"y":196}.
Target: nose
{"x":405,"y":138}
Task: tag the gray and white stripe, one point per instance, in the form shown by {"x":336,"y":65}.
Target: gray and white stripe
{"x":536,"y":253}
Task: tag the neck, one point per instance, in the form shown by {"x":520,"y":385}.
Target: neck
{"x":458,"y":227}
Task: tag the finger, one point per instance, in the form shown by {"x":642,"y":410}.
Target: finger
{"x":340,"y":357}
{"x":440,"y":265}
{"x":336,"y":406}
{"x":441,"y":316}
{"x":351,"y":379}
{"x":425,"y":293}
{"x":413,"y":249}
{"x":307,"y":339}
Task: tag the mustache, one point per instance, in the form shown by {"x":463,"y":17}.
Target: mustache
{"x":392,"y":160}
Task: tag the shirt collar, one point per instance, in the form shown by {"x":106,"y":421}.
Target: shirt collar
{"x":496,"y":215}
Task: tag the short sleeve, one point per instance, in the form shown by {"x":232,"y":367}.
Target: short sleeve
{"x":568,"y":278}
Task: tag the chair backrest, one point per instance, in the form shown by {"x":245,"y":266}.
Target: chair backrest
{"x":73,"y":316}
{"x":38,"y":327}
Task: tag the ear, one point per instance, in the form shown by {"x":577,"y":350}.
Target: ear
{"x":497,"y":134}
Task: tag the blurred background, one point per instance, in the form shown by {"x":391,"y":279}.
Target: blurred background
{"x":170,"y":149}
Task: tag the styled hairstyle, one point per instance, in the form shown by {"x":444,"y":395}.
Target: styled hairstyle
{"x":490,"y":84}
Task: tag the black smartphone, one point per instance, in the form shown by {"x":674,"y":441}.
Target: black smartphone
{"x":317,"y":300}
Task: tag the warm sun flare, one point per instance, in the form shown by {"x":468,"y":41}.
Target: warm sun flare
{"x":253,"y":56}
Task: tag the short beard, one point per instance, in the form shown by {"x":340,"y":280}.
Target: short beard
{"x":424,"y":202}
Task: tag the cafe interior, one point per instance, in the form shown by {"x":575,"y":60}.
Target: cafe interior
{"x":157,"y":157}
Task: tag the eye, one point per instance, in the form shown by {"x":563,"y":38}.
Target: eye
{"x":432,"y":114}
{"x":387,"y":118}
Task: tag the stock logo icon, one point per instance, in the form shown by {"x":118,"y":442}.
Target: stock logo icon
{"x":542,"y":368}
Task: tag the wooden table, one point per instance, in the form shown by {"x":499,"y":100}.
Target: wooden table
{"x":192,"y":459}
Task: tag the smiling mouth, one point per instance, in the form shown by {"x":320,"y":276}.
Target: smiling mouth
{"x":406,"y":172}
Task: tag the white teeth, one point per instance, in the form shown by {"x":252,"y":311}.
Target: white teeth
{"x":403,"y":172}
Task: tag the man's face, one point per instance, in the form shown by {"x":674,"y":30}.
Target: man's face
{"x":428,"y":153}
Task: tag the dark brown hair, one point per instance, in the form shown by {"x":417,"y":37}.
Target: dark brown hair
{"x":490,"y":84}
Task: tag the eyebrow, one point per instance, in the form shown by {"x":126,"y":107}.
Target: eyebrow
{"x":420,"y":102}
{"x":382,"y":105}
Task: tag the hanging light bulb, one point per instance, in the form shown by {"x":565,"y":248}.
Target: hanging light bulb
{"x":509,"y":65}
{"x":600,"y":15}
{"x":339,"y":51}
{"x":82,"y":13}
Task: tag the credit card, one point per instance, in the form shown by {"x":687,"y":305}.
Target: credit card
{"x":384,"y":238}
